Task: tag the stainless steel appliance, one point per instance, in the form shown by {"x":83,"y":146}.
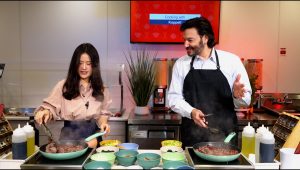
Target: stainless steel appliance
{"x":197,"y":162}
{"x":161,"y":85}
{"x":148,"y":131}
{"x":280,"y":102}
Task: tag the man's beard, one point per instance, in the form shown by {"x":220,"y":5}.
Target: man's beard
{"x":195,"y":50}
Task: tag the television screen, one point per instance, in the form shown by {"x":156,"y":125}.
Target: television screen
{"x":159,"y":21}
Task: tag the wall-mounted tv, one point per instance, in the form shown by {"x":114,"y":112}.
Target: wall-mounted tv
{"x":159,"y":21}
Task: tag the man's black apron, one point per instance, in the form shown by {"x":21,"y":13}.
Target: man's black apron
{"x":79,"y":130}
{"x":208,"y":91}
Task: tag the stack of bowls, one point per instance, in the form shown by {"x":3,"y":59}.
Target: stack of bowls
{"x":148,"y":160}
{"x":107,"y":149}
{"x":129,"y":146}
{"x":171,"y":143}
{"x":165,"y":149}
{"x":126,"y":157}
{"x":110,"y":143}
{"x":106,"y":157}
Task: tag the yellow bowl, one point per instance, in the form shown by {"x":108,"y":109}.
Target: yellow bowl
{"x":171,"y":143}
{"x":110,"y":143}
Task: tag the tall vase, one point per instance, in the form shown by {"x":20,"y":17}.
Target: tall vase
{"x":142,"y":110}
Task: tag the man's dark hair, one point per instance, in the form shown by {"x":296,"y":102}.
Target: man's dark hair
{"x":202,"y":26}
{"x":71,"y":86}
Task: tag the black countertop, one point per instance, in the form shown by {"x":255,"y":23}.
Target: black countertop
{"x":257,"y":117}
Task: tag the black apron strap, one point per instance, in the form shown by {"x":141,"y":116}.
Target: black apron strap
{"x":191,"y":63}
{"x":217,"y":58}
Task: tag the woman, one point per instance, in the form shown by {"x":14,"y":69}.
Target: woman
{"x":81,"y":100}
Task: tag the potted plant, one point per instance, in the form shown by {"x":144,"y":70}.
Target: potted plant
{"x":141,"y":76}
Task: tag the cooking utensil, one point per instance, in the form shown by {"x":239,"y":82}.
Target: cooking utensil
{"x":210,"y":114}
{"x":65,"y":156}
{"x":211,"y":129}
{"x":49,"y":133}
{"x":69,"y":155}
{"x":218,"y":158}
{"x":94,"y":136}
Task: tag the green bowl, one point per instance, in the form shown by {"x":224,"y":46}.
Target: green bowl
{"x":106,"y":157}
{"x":148,"y":160}
{"x":97,"y":165}
{"x":126,"y":157}
{"x":173,"y":156}
{"x":173,"y":164}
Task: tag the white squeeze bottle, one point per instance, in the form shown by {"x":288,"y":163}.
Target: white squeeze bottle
{"x":266,"y":148}
{"x":259,"y":133}
{"x":19,"y":144}
{"x":248,"y":140}
{"x":30,"y":134}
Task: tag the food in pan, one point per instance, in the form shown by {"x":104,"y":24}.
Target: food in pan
{"x":213,"y":150}
{"x":53,"y":148}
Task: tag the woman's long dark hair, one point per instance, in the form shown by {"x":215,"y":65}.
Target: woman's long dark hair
{"x":71,"y":86}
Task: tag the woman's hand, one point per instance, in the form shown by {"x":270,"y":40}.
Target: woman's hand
{"x":105,"y":127}
{"x":43,"y":116}
{"x":92,"y":143}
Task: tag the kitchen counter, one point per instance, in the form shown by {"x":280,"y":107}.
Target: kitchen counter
{"x":155,"y":119}
{"x":258,"y":118}
{"x":26,"y":117}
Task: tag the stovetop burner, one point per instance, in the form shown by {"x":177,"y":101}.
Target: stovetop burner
{"x":38,"y":161}
{"x":197,"y":162}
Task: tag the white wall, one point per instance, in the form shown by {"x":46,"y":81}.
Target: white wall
{"x":37,"y":40}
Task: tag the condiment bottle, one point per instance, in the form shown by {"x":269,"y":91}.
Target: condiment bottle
{"x":19,"y":143}
{"x":30,"y":135}
{"x":259,"y":133}
{"x":266,"y":148}
{"x":248,"y":140}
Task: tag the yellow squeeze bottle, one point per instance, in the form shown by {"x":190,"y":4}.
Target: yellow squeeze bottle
{"x":248,"y":140}
{"x":30,"y":135}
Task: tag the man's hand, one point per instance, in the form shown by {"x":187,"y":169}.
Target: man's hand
{"x":238,"y":88}
{"x":43,"y":116}
{"x":198,"y":118}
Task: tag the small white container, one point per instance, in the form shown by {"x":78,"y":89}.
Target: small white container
{"x":288,"y":159}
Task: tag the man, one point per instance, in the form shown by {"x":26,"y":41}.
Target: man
{"x":207,"y":82}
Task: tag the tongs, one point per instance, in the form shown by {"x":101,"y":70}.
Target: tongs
{"x":211,"y":129}
{"x":49,"y":133}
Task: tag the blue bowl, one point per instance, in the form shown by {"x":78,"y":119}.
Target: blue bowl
{"x":129,"y":146}
{"x":97,"y":165}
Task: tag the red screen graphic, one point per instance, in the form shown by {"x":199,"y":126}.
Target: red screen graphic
{"x":146,"y":30}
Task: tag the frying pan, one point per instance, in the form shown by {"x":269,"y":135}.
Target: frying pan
{"x":218,"y":158}
{"x":69,"y":155}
